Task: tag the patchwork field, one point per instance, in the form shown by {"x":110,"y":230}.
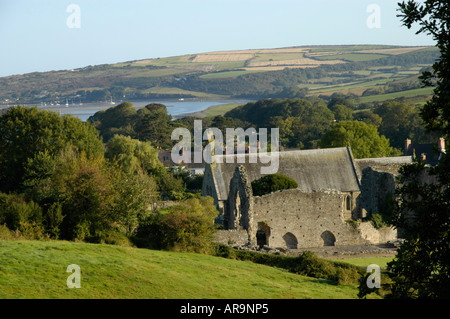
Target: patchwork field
{"x":221,"y":73}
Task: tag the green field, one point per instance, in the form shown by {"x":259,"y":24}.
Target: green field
{"x":218,"y":110}
{"x":391,"y":96}
{"x":353,"y":57}
{"x":363,"y":84}
{"x":227,"y":74}
{"x":37,"y":269}
{"x":364,"y":262}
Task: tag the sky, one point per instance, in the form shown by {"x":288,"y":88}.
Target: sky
{"x":46,"y":35}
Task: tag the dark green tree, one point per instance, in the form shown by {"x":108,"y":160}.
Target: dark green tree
{"x":401,"y":121}
{"x":155,"y":125}
{"x":271,"y":183}
{"x":342,"y":112}
{"x":119,"y":119}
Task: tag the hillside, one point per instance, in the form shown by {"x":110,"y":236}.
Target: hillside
{"x":364,"y":70}
{"x":37,"y":269}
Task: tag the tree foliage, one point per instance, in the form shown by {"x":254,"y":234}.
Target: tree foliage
{"x":363,"y":139}
{"x":401,"y":121}
{"x":26,"y":132}
{"x":151,"y":123}
{"x":301,"y":122}
{"x":272,"y":183}
{"x":133,"y":155}
{"x":186,"y":226}
{"x":421,"y":268}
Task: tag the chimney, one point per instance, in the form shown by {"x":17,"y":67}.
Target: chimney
{"x":441,"y":145}
{"x":407,"y":145}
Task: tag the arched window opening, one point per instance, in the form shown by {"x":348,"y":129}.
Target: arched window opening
{"x":348,"y":203}
{"x":291,"y":241}
{"x":328,"y":238}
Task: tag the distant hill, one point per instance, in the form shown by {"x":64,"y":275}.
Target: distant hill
{"x":363,"y":70}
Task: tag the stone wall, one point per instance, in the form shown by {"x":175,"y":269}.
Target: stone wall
{"x":377,"y":236}
{"x":297,"y":219}
{"x":231,"y":237}
{"x":376,"y":188}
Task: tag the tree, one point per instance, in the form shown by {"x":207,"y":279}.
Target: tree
{"x":301,"y":121}
{"x":341,"y":112}
{"x":135,"y":195}
{"x":155,"y":125}
{"x":133,"y":155}
{"x":272,"y":183}
{"x":186,"y":226}
{"x":401,"y":121}
{"x":421,"y":268}
{"x":25,"y":132}
{"x":368,"y":117}
{"x":83,"y":189}
{"x":115,"y":120}
{"x":363,"y":139}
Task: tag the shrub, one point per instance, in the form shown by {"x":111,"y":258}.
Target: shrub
{"x":307,"y":264}
{"x":271,"y":183}
{"x":7,"y":234}
{"x":14,"y":210}
{"x":377,"y":220}
{"x":186,"y":226}
{"x":32,"y":231}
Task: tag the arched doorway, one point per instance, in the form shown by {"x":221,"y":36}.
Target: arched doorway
{"x":262,"y":234}
{"x":290,"y":240}
{"x":328,"y":238}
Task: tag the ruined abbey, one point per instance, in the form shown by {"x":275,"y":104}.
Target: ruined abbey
{"x":330,"y":207}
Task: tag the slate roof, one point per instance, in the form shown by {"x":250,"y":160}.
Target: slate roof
{"x":313,"y":170}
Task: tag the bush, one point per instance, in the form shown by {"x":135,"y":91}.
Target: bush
{"x":8,"y":234}
{"x":111,"y":236}
{"x":307,"y":264}
{"x":14,"y":210}
{"x":186,"y":226}
{"x":32,"y":231}
{"x":271,"y":183}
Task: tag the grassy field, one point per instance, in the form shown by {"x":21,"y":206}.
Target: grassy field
{"x":364,"y":262}
{"x":218,"y":110}
{"x":353,"y":57}
{"x":391,"y":96}
{"x":363,"y":85}
{"x":37,"y":269}
{"x":227,"y":74}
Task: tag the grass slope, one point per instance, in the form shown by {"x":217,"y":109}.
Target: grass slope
{"x":364,"y":262}
{"x":37,"y":269}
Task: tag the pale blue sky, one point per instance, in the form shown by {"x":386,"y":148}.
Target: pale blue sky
{"x":34,"y":35}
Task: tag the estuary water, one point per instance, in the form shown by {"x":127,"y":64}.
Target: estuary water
{"x":176,"y":108}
